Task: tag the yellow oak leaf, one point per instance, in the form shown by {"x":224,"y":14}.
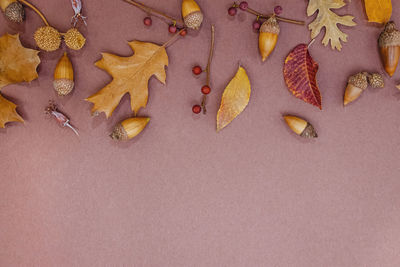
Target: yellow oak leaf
{"x":17,"y":64}
{"x":328,"y":19}
{"x":379,"y":11}
{"x":235,"y":98}
{"x":130,"y":75}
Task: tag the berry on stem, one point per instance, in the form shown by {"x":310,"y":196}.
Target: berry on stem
{"x":232,"y":11}
{"x":206,"y":89}
{"x":147,"y":21}
{"x":243,"y":5}
{"x":183,"y":32}
{"x":196,"y":109}
{"x":172,"y":28}
{"x":278,"y":10}
{"x":256,"y":25}
{"x":197,"y":70}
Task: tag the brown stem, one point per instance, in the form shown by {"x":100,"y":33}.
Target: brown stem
{"x":36,"y":10}
{"x":263,"y":16}
{"x":173,"y":38}
{"x":153,"y":11}
{"x":208,"y":69}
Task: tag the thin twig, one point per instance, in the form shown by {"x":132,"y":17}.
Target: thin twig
{"x":173,"y":38}
{"x":151,"y":10}
{"x":208,"y":69}
{"x":36,"y":10}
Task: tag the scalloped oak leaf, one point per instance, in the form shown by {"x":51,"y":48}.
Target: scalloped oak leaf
{"x":17,"y":64}
{"x":130,"y":75}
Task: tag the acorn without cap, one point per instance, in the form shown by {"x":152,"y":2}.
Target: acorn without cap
{"x":64,"y":76}
{"x":129,"y":128}
{"x":268,"y":37}
{"x":13,"y":10}
{"x":389,"y":47}
{"x":191,"y":14}
{"x":300,"y":126}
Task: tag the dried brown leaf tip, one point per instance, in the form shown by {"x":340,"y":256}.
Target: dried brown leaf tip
{"x":300,"y":126}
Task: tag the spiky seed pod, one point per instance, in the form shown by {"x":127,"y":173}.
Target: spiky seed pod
{"x":355,"y":86}
{"x":74,"y":39}
{"x":13,"y":10}
{"x":47,"y":38}
{"x":300,"y":126}
{"x":389,"y":47}
{"x":376,"y":80}
{"x":129,"y":128}
{"x":268,"y":37}
{"x":191,"y":14}
{"x":64,"y":76}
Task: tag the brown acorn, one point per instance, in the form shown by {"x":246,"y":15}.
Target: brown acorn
{"x":64,"y":76}
{"x":129,"y":128}
{"x":355,"y":86}
{"x":13,"y":10}
{"x":268,"y":37}
{"x":47,"y":38}
{"x":191,"y":14}
{"x":300,"y":126}
{"x":389,"y":47}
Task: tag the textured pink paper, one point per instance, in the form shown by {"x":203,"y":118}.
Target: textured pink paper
{"x":180,"y":194}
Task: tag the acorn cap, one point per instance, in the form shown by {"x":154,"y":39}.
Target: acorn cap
{"x":15,"y":12}
{"x":63,"y":86}
{"x":376,"y":80}
{"x":47,"y":38}
{"x":390,"y":35}
{"x":271,"y":25}
{"x":191,"y":14}
{"x":359,"y":80}
{"x":74,"y":39}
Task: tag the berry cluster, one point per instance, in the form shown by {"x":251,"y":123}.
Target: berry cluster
{"x":172,"y":28}
{"x":205,"y":90}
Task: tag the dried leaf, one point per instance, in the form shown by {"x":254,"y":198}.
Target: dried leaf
{"x":234,"y":99}
{"x":378,"y":10}
{"x":17,"y":64}
{"x":328,"y":19}
{"x":398,"y":86}
{"x":131,"y":75}
{"x":300,"y":71}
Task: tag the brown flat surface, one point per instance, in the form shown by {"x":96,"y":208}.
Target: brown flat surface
{"x":182,"y":195}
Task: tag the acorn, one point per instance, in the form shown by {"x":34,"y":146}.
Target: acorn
{"x":129,"y":128}
{"x":74,"y":39}
{"x":355,"y":86}
{"x":376,"y":80}
{"x":64,"y":76}
{"x":268,"y":37}
{"x":191,"y":14}
{"x":300,"y":126}
{"x":389,"y":47}
{"x":13,"y":10}
{"x":47,"y":38}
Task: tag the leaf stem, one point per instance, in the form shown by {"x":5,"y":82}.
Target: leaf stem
{"x":154,"y":11}
{"x":36,"y":10}
{"x":208,"y":69}
{"x":263,"y":16}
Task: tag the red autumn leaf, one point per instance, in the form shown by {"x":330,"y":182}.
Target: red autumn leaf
{"x":300,"y":72}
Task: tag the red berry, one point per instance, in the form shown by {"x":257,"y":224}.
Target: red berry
{"x":183,"y":32}
{"x":256,"y":25}
{"x":206,"y":89}
{"x":232,"y":11}
{"x":278,"y":10}
{"x":172,"y":28}
{"x":147,"y":21}
{"x":197,"y":70}
{"x":196,"y":109}
{"x":243,"y":5}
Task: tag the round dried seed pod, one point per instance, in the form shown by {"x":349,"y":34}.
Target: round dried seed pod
{"x":15,"y":12}
{"x":74,"y":39}
{"x":376,"y":80}
{"x":47,"y":38}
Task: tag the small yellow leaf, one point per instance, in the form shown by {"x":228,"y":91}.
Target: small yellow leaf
{"x":379,"y":11}
{"x":234,"y":99}
{"x":7,"y":112}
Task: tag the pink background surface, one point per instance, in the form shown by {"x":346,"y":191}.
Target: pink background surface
{"x":182,"y":195}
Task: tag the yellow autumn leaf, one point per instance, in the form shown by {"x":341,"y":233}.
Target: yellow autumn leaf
{"x":235,"y":98}
{"x":8,"y":112}
{"x":379,"y":11}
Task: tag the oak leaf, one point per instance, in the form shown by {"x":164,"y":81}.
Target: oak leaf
{"x":130,"y":75}
{"x":328,"y":19}
{"x":235,"y":98}
{"x":17,"y":64}
{"x":379,"y":11}
{"x":300,"y":71}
